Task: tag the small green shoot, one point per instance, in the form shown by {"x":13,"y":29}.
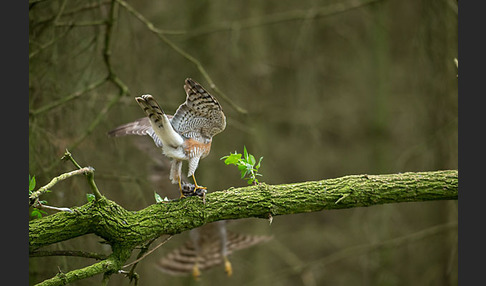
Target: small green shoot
{"x":90,"y":197}
{"x":37,"y":213}
{"x":159,"y":199}
{"x":31,"y":184}
{"x":246,"y":163}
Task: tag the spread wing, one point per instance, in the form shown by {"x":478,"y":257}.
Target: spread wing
{"x":181,"y":260}
{"x":201,"y":116}
{"x":138,"y":127}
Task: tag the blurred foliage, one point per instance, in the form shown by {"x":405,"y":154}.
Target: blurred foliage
{"x":331,"y":88}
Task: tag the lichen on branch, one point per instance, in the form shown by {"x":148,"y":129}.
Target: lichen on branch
{"x":116,"y":225}
{"x":124,"y":230}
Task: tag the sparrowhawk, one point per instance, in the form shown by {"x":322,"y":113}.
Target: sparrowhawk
{"x":185,"y":136}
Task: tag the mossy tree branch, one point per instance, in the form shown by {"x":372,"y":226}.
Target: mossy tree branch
{"x":124,"y":230}
{"x":42,"y":190}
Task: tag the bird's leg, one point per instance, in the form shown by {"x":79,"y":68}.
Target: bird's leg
{"x":180,"y":188}
{"x":227,"y":266}
{"x":196,"y":274}
{"x":224,"y":250}
{"x":196,"y":186}
{"x":195,"y":236}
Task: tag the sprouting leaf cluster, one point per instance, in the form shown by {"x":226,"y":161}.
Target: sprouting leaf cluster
{"x":246,"y":163}
{"x":37,"y":213}
{"x":159,"y":199}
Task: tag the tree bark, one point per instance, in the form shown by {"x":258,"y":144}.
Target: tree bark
{"x":124,"y":230}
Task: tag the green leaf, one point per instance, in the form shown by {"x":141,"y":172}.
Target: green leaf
{"x":243,"y":170}
{"x":90,"y":197}
{"x":243,"y":174}
{"x":158,"y":198}
{"x":245,"y":153}
{"x":259,"y":162}
{"x":252,"y":160}
{"x":232,"y":159}
{"x":38,"y":213}
{"x":31,"y":183}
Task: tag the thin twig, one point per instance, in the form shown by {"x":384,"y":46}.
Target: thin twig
{"x":112,"y":77}
{"x":108,"y":37}
{"x":35,"y":1}
{"x":72,"y":12}
{"x":35,"y":195}
{"x":89,"y":174}
{"x":48,"y":44}
{"x":68,"y":98}
{"x":106,"y":278}
{"x":69,"y":156}
{"x":298,"y":266}
{"x":81,"y":24}
{"x":276,"y":18}
{"x":184,"y":54}
{"x":93,"y":186}
{"x":75,"y":253}
{"x":148,"y":252}
{"x":132,"y":275}
{"x":98,"y":119}
{"x":61,"y":10}
{"x":43,"y":206}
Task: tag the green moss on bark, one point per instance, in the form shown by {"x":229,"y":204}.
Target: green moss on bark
{"x":124,"y":229}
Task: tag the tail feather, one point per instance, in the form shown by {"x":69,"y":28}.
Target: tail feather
{"x":138,"y":127}
{"x":159,"y":121}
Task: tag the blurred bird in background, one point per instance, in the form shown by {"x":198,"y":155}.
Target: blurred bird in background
{"x":207,"y":247}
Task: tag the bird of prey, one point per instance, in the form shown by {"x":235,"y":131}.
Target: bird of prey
{"x":207,"y":247}
{"x":185,"y":136}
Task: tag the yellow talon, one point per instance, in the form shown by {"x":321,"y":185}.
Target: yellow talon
{"x":195,"y":272}
{"x":227,"y":267}
{"x":196,"y":186}
{"x":180,"y":189}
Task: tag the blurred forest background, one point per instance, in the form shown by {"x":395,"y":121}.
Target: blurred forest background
{"x":320,"y":89}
